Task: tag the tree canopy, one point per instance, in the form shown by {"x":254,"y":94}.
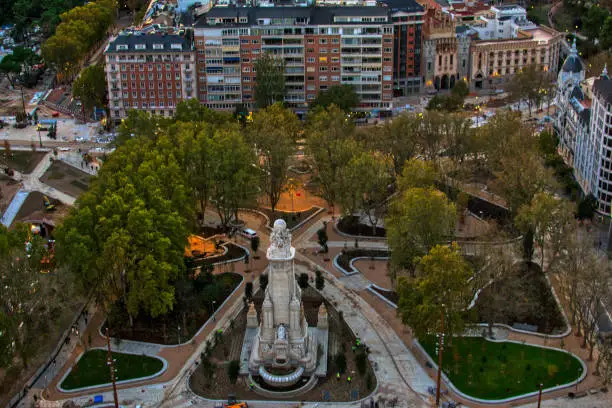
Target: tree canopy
{"x":441,"y":288}
{"x":269,"y":80}
{"x":90,"y":87}
{"x":343,"y":96}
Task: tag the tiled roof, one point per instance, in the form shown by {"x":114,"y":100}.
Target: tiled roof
{"x":131,"y":40}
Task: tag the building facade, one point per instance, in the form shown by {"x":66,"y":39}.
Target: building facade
{"x":149,"y":72}
{"x":583,"y":123}
{"x":407,"y":17}
{"x":440,"y":51}
{"x":320,"y":46}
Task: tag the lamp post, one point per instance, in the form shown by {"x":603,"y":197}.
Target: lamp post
{"x":440,"y":351}
{"x":111,"y":367}
{"x":540,"y":395}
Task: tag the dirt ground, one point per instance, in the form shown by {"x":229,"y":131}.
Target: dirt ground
{"x":8,"y":188}
{"x":66,"y":178}
{"x":21,"y":160}
{"x":34,"y":209}
{"x":341,"y":340}
{"x":376,"y":271}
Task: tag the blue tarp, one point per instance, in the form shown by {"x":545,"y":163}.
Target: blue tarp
{"x":13,"y":208}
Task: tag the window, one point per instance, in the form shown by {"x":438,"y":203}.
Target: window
{"x":323,"y":50}
{"x":322,"y":59}
{"x":322,"y":69}
{"x":322,"y":40}
{"x":178,"y":94}
{"x":310,"y":59}
{"x":322,"y":78}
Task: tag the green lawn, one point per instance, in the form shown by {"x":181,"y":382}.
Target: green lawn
{"x":93,"y":370}
{"x":489,"y":370}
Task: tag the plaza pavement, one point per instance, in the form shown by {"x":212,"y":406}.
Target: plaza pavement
{"x":399,"y":366}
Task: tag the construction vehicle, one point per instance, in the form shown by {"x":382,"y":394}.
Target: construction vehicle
{"x":233,"y":403}
{"x":47,"y":204}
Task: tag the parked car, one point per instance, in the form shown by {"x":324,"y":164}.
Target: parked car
{"x":248,"y":233}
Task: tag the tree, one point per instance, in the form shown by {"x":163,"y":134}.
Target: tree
{"x":593,"y":21}
{"x":397,"y":139}
{"x":417,"y":173}
{"x":127,"y":235}
{"x":233,"y":369}
{"x":546,"y":217}
{"x":340,"y":362}
{"x":263,"y":282}
{"x":586,"y":207}
{"x":460,"y":90}
{"x":441,"y":288}
{"x":234,"y":184}
{"x":592,"y":294}
{"x":248,"y":290}
{"x":343,"y":96}
{"x":522,"y":176}
{"x":270,"y":81}
{"x":418,"y":219}
{"x":528,"y":84}
{"x":331,"y":144}
{"x":363,"y":184}
{"x":303,"y":280}
{"x":605,"y":36}
{"x":274,"y":132}
{"x":322,"y":239}
{"x":90,"y":87}
{"x":255,"y":246}
{"x":319,"y":280}
{"x":18,"y":65}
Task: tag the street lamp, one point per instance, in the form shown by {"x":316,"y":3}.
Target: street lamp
{"x":440,"y":352}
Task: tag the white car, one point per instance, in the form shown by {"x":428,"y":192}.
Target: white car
{"x":248,"y":233}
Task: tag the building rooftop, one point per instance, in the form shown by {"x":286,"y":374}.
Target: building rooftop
{"x":314,"y":15}
{"x":602,"y":89}
{"x":409,"y":6}
{"x":157,"y":42}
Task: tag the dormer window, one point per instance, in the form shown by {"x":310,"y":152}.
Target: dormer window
{"x":243,"y":20}
{"x":140,"y":47}
{"x":122,"y":47}
{"x":176,"y":46}
{"x":158,"y":46}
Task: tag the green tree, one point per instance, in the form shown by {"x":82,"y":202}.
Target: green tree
{"x":417,"y":173}
{"x":234,"y":184}
{"x":322,"y":239}
{"x":460,"y":90}
{"x":319,"y":280}
{"x":605,"y":36}
{"x":274,"y":132}
{"x":19,"y":64}
{"x":331,"y":144}
{"x":269,"y":81}
{"x":343,"y":96}
{"x":529,"y":84}
{"x":593,"y":21}
{"x":126,"y":237}
{"x":545,"y":218}
{"x":340,"y":362}
{"x":233,"y":369}
{"x":255,"y":246}
{"x":363,"y":184}
{"x":303,"y":280}
{"x":441,"y":288}
{"x":263,"y":282}
{"x":397,"y":139}
{"x":586,"y":207}
{"x":419,"y":219}
{"x":90,"y":87}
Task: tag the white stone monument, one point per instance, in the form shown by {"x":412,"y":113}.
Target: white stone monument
{"x":283,"y":339}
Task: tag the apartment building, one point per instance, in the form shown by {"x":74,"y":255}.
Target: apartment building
{"x":321,"y":47}
{"x":407,"y":17}
{"x":150,"y":72}
{"x":583,"y":123}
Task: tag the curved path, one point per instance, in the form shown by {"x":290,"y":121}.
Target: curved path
{"x":398,"y":366}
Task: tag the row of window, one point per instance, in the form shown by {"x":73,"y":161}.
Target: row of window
{"x":141,"y":67}
{"x":160,"y":85}
{"x":143,"y":94}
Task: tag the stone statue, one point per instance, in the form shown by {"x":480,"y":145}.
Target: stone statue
{"x":280,"y":241}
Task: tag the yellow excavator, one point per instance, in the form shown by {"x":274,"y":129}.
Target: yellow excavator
{"x":47,"y":204}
